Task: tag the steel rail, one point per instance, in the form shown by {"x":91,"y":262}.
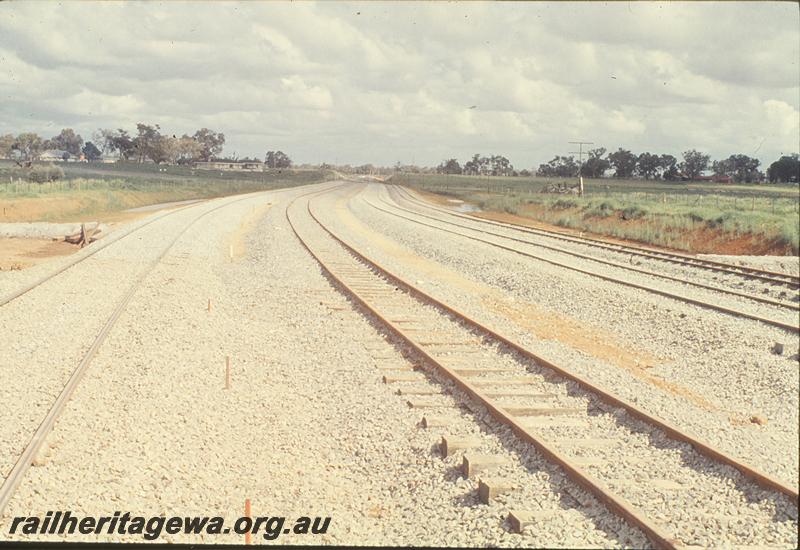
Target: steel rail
{"x":23,"y":463}
{"x":93,"y":250}
{"x":614,"y":502}
{"x":672,"y":431}
{"x":666,"y":294}
{"x":105,"y":243}
{"x":774,"y":277}
{"x":760,"y":299}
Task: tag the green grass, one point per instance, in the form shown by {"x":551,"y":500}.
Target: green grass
{"x":666,"y":214}
{"x":150,"y":177}
{"x":604,"y":186}
{"x":89,"y":189}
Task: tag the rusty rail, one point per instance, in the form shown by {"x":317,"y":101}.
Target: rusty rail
{"x":20,"y":468}
{"x":582,"y":478}
{"x":773,"y":277}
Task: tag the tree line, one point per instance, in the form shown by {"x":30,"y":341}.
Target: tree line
{"x":479,"y":165}
{"x":148,"y":143}
{"x":626,"y":164}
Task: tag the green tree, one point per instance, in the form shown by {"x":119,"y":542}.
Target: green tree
{"x":68,"y":141}
{"x":595,"y":165}
{"x":277,"y":159}
{"x":741,"y":168}
{"x":450,"y":166}
{"x":363,"y":169}
{"x":6,"y":145}
{"x":211,"y":143}
{"x":91,"y":152}
{"x":122,"y":143}
{"x":694,"y":164}
{"x":150,"y":144}
{"x":669,"y":167}
{"x":785,"y":169}
{"x":563,"y":167}
{"x":623,"y":162}
{"x":104,"y":138}
{"x":475,"y":165}
{"x":29,"y":146}
{"x":647,"y":165}
{"x":189,"y":149}
{"x":500,"y":166}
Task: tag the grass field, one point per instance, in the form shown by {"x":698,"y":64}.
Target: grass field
{"x":104,"y":191}
{"x":694,"y":217}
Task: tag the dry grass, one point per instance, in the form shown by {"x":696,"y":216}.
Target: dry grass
{"x":115,"y":188}
{"x":736,"y":221}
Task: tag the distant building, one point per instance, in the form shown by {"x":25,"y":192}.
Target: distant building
{"x":716,"y":178}
{"x":106,"y":159}
{"x":54,"y":155}
{"x":231,"y":166}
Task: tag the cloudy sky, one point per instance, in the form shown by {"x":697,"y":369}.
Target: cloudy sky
{"x":411,"y":82}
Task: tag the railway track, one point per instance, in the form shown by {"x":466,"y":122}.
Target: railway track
{"x":33,"y":446}
{"x":93,"y":249}
{"x":772,"y":277}
{"x":96,"y":247}
{"x":628,"y":267}
{"x":640,"y":467}
{"x":702,"y":303}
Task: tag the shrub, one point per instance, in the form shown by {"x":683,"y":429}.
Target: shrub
{"x":695,"y":217}
{"x":633,"y":213}
{"x":602,"y":210}
{"x":565,"y":203}
{"x":41,"y":173}
{"x":723,"y":220}
{"x":606,"y":206}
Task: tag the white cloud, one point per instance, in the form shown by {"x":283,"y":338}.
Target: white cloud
{"x":381,"y":82}
{"x":782,"y":118}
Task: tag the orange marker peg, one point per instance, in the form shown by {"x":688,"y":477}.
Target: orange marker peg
{"x":248,"y":514}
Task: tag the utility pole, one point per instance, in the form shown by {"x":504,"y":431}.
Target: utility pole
{"x":579,"y":152}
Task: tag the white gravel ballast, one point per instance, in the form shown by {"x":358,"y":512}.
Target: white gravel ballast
{"x":306,"y":428}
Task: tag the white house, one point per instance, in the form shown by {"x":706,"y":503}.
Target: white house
{"x":53,"y":155}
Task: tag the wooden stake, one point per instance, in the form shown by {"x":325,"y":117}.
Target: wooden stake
{"x":231,"y":252}
{"x":209,"y":304}
{"x":227,"y":372}
{"x":248,"y":514}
